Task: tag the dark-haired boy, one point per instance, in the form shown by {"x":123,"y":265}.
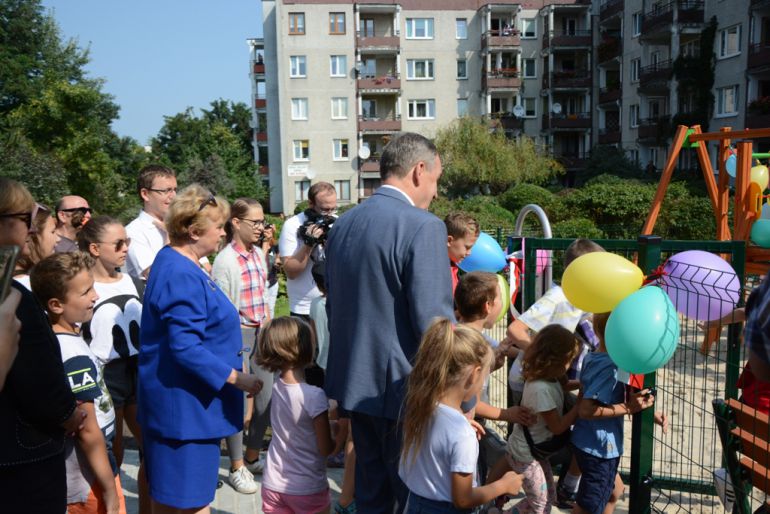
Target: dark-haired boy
{"x":462,"y":233}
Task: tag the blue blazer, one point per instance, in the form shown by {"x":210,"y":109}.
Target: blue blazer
{"x":190,"y":337}
{"x":387,"y":276}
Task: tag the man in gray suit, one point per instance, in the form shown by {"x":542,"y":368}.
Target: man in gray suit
{"x":387,"y":273}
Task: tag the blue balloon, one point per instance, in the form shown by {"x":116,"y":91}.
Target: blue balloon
{"x":730,"y":165}
{"x":643,"y":331}
{"x":486,"y":255}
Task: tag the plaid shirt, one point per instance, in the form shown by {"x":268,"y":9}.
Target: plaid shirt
{"x":758,"y":321}
{"x":253,"y":306}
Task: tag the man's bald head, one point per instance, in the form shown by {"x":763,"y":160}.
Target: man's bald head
{"x":72,"y":211}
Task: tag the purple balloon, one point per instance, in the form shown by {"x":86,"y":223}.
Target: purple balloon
{"x":701,"y":285}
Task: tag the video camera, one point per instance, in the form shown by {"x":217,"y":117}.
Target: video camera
{"x":322,"y":221}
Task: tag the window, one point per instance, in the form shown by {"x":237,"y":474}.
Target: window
{"x":529,"y":68}
{"x":339,"y":108}
{"x":419,"y":28}
{"x":633,"y":156}
{"x":300,"y":190}
{"x":462,"y":68}
{"x":298,"y":68}
{"x":462,"y":107}
{"x":369,"y":108}
{"x":691,"y":48}
{"x":528,"y":28}
{"x":461,"y":28}
{"x":299,"y":108}
{"x":343,"y":189}
{"x":296,"y":23}
{"x":367,"y":27}
{"x":336,"y":23}
{"x":636,"y":23}
{"x":301,"y":149}
{"x":422,"y":109}
{"x":727,"y":101}
{"x":636,"y":66}
{"x":368,"y":67}
{"x":370,"y":186}
{"x":633,"y":115}
{"x":530,"y":106}
{"x":338,"y":65}
{"x":419,"y":69}
{"x":340,"y":152}
{"x":730,"y":41}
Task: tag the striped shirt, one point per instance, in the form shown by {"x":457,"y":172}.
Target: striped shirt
{"x":253,"y":306}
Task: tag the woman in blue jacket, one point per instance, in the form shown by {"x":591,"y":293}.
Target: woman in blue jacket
{"x":190,"y":383}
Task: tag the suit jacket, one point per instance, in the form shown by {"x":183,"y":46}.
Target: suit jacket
{"x":387,"y":276}
{"x":191,"y":337}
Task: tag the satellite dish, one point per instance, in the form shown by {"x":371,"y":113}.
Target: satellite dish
{"x":518,"y":111}
{"x":364,"y":152}
{"x":556,"y":108}
{"x":310,"y":173}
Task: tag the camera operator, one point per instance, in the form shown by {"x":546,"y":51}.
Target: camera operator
{"x":301,"y":244}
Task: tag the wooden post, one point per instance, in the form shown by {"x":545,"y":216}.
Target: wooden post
{"x":665,"y":180}
{"x":742,"y":180}
{"x":708,"y":171}
{"x":723,"y":227}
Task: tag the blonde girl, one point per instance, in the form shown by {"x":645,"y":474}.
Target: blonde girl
{"x":294,"y":479}
{"x":544,"y":363}
{"x":440,"y":449}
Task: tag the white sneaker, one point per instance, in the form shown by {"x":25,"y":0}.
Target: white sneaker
{"x":242,"y":481}
{"x":724,"y":487}
{"x":256,"y":467}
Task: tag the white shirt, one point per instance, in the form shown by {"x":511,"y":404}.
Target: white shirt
{"x":408,"y":198}
{"x":450,"y":446}
{"x":146,"y":241}
{"x":540,"y":396}
{"x":318,"y":315}
{"x":113,"y":332}
{"x":301,"y":290}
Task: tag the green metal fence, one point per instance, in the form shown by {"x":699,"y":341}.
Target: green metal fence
{"x":670,"y":472}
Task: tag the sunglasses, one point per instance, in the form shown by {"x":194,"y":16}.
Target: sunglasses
{"x":118,"y":244}
{"x":81,"y":210}
{"x":29,"y":217}
{"x":211,"y":200}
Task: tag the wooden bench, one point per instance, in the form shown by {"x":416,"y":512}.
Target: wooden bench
{"x":745,"y":436}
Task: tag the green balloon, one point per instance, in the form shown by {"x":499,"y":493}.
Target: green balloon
{"x":643,"y":331}
{"x":760,"y":233}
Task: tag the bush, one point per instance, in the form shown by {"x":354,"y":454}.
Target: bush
{"x":485,"y":210}
{"x":575,"y":228}
{"x":520,"y":195}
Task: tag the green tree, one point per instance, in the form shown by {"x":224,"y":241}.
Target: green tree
{"x":476,"y":160}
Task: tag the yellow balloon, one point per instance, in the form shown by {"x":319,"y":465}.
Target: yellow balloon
{"x":598,"y":281}
{"x":760,"y":175}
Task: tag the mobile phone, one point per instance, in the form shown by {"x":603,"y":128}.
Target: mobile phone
{"x":652,"y":391}
{"x":8,"y":257}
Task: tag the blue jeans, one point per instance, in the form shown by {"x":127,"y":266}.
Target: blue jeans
{"x":419,"y":505}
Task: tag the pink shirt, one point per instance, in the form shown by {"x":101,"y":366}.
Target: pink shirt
{"x":294,"y":465}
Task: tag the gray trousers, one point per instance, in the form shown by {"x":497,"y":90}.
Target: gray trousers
{"x":260,"y":417}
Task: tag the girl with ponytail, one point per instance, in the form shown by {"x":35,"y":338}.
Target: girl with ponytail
{"x":440,"y":449}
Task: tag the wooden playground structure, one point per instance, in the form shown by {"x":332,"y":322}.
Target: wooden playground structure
{"x":748,"y":198}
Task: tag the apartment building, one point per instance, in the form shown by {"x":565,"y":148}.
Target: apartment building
{"x":334,"y":80}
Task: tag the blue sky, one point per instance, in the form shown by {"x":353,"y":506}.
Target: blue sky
{"x":160,"y":56}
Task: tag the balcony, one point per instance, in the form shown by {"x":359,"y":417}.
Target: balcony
{"x":260,"y":103}
{"x":609,"y":95}
{"x":757,"y":121}
{"x":760,"y":5}
{"x":610,"y":48}
{"x":573,"y":161}
{"x":609,"y":136}
{"x":370,"y":165}
{"x":501,"y":79}
{"x":388,"y":84}
{"x":575,"y":121}
{"x":261,"y":137}
{"x":259,"y":68}
{"x":654,"y":78}
{"x":379,"y":125}
{"x":570,"y":39}
{"x":505,"y":121}
{"x":656,"y":24}
{"x":654,"y":130}
{"x":504,"y":38}
{"x":691,"y":12}
{"x":378,"y":44}
{"x":609,"y":9}
{"x":568,"y":79}
{"x":759,"y":57}
{"x":264,"y":170}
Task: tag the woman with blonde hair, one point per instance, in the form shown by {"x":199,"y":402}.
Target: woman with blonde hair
{"x":190,"y":386}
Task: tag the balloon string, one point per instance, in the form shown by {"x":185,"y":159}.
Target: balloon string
{"x":654,"y":275}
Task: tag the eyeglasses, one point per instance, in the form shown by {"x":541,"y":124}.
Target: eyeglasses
{"x":81,"y":210}
{"x":118,"y":244}
{"x":164,"y":192}
{"x":254,"y":223}
{"x":29,"y":217}
{"x":326,"y":212}
{"x":211,"y":200}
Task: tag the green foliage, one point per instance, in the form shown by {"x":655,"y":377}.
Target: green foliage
{"x":476,"y":160}
{"x":522,"y":194}
{"x":485,"y":210}
{"x":575,"y":228}
{"x":695,"y":76}
{"x":43,"y":175}
{"x":301,"y":206}
{"x":609,"y":160}
{"x":685,"y":215}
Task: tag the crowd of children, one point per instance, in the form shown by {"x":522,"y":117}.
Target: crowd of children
{"x":451,"y":460}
